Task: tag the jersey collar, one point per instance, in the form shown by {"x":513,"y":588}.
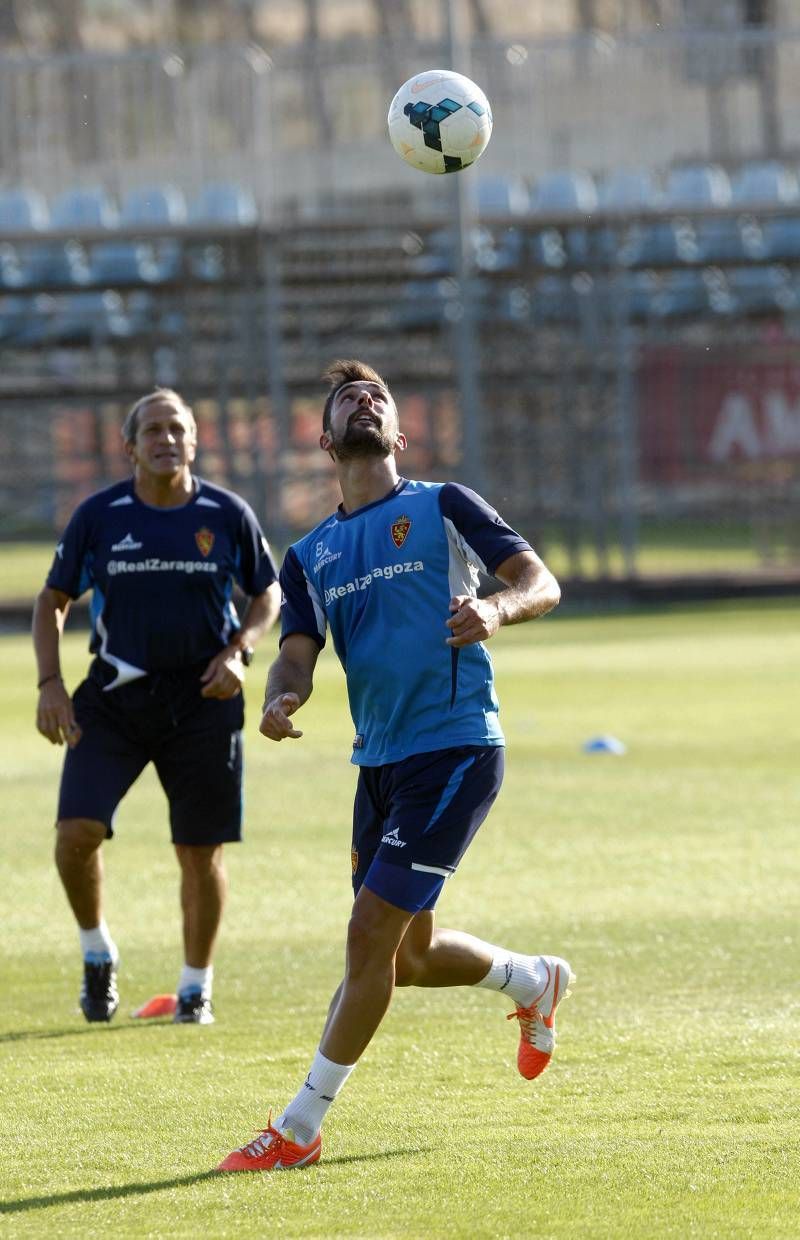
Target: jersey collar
{"x":399,"y":486}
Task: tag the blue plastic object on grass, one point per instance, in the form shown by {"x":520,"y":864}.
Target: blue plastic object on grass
{"x":604,"y":744}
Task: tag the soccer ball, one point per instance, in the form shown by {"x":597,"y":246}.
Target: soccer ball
{"x":440,"y":121}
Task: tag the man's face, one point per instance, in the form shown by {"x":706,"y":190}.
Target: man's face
{"x":166,"y":439}
{"x":363,"y":422}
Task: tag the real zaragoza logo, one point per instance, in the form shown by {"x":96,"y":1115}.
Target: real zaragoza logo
{"x":400,"y":529}
{"x":205,"y":540}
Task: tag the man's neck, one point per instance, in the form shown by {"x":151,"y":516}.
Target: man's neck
{"x":171,"y":492}
{"x":364,"y":480}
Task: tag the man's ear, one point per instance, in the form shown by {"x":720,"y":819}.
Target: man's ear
{"x":130,"y":447}
{"x":400,"y":443}
{"x":326,"y":443}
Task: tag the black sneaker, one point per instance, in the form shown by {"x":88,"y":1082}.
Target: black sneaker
{"x":99,"y":994}
{"x":193,"y":1009}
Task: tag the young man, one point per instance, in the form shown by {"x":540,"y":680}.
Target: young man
{"x":161,"y":553}
{"x":385,"y":572}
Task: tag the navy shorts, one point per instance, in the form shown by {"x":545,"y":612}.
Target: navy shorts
{"x":414,"y":820}
{"x":195,"y":744}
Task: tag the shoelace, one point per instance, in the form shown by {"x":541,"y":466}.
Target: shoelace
{"x":268,"y":1138}
{"x":533,"y":1028}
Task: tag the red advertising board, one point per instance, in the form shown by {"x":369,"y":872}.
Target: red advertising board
{"x":701,"y":411}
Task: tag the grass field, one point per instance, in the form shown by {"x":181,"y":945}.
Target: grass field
{"x":665,"y":548}
{"x":669,"y":877}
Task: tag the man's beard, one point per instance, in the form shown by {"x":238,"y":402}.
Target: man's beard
{"x":363,"y":441}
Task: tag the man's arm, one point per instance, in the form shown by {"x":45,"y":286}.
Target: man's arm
{"x":289,"y":685}
{"x":224,"y":676}
{"x":55,"y":717}
{"x":532,"y":591}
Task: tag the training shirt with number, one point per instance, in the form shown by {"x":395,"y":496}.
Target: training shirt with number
{"x":381,"y":578}
{"x":161,"y":578}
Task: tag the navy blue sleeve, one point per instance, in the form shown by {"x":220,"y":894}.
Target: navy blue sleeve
{"x":256,"y":568}
{"x":484,"y":532}
{"x":71,"y":570}
{"x":301,"y":609}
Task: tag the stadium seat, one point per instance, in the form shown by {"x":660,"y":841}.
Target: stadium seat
{"x":764,"y":183}
{"x":503,"y":196}
{"x":143,"y":260}
{"x":88,"y":318}
{"x":22,"y":210}
{"x":629,"y":189}
{"x":48,"y":263}
{"x":564,"y":193}
{"x":223,"y":204}
{"x":567,"y":194}
{"x":762,"y":290}
{"x":79,"y":209}
{"x":697,"y":185}
{"x":159,"y":204}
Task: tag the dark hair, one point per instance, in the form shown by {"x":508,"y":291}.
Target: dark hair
{"x":339,"y":374}
{"x":131,"y":424}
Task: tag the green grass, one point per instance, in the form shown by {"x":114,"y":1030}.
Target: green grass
{"x":669,"y":877}
{"x":665,"y":547}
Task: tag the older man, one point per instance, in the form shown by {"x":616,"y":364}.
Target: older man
{"x":161,"y":553}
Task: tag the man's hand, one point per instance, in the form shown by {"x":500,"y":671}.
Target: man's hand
{"x":224,"y":676}
{"x":473,"y":620}
{"x":55,"y":717}
{"x":275,"y":722}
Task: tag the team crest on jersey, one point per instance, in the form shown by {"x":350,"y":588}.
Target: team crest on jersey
{"x":205,"y":540}
{"x":400,"y":529}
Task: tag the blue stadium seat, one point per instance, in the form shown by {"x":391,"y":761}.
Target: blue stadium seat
{"x":51,"y":264}
{"x":158,"y":204}
{"x":667,"y":295}
{"x":223,"y":203}
{"x":89,"y":318}
{"x":553,"y":300}
{"x":145,"y":260}
{"x":629,"y":189}
{"x":563,"y":194}
{"x":764,"y":183}
{"x":22,"y":210}
{"x":503,"y":196}
{"x":79,"y":209}
{"x":762,"y":290}
{"x":697,"y":185}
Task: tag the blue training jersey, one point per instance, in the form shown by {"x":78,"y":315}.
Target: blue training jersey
{"x":382,"y":578}
{"x":161,"y":578}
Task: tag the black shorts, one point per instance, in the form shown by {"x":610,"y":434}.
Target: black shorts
{"x":195,"y":744}
{"x":414,"y":820}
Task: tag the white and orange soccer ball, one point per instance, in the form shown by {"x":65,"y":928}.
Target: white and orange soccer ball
{"x":440,"y":121}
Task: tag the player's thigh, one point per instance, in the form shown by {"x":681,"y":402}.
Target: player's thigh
{"x":100,"y":769}
{"x":438,"y":802}
{"x":370,"y":808}
{"x":200,"y":768}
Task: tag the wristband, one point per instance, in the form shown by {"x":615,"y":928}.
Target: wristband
{"x":47,"y":679}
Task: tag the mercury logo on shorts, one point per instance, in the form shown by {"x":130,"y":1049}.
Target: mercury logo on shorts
{"x":393,"y":838}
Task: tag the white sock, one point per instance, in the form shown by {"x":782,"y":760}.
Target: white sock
{"x":308,"y":1108}
{"x":196,"y":979}
{"x":98,"y":941}
{"x":520,"y":977}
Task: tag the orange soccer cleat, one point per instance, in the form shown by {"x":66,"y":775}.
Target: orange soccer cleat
{"x":273,"y":1151}
{"x":537,"y":1023}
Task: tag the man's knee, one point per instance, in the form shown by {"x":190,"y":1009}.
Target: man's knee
{"x":78,"y":836}
{"x":201,"y":861}
{"x":373,"y":933}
